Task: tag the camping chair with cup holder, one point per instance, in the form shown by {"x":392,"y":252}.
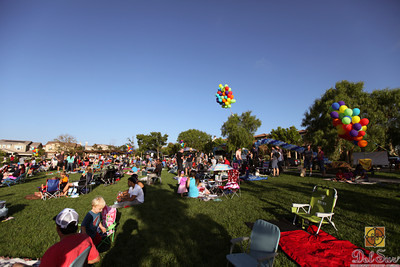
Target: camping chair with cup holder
{"x":52,"y":189}
{"x":322,"y":203}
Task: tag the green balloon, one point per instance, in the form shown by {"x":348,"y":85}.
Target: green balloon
{"x":346,"y":120}
{"x":233,"y":101}
{"x":341,"y":115}
{"x":330,"y":108}
{"x":348,"y":112}
{"x":229,"y":106}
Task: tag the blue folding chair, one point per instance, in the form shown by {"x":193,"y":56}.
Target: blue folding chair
{"x":264,"y":240}
{"x":52,"y":189}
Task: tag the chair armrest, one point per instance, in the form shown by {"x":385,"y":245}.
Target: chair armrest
{"x":267,"y":257}
{"x":323,"y":214}
{"x":295,"y":205}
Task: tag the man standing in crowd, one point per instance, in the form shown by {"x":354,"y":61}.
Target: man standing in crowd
{"x":308,"y":157}
{"x":179,"y":160}
{"x":60,"y":161}
{"x":320,"y":158}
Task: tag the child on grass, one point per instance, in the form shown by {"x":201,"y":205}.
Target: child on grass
{"x":191,"y":183}
{"x":182,"y":184}
{"x":92,"y":220}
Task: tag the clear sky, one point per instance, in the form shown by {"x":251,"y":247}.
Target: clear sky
{"x":103,"y":71}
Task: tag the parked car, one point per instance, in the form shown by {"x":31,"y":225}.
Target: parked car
{"x":293,"y":162}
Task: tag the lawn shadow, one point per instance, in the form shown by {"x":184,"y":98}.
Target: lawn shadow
{"x":163,"y":231}
{"x":12,"y":209}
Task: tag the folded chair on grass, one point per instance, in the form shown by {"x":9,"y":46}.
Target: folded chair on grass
{"x":264,"y":240}
{"x":52,"y":189}
{"x":109,"y":217}
{"x":322,"y":204}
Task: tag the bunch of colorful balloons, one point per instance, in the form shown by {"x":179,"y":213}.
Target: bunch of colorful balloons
{"x":348,"y":123}
{"x":129,"y":148}
{"x":35,"y":152}
{"x":225,"y":96}
{"x":183,"y":145}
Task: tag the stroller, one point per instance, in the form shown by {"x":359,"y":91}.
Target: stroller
{"x":110,"y":175}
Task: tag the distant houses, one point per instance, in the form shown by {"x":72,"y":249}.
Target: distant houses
{"x":18,"y":147}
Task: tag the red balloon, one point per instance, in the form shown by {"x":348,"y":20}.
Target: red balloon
{"x":226,"y":87}
{"x":361,"y":133}
{"x":348,"y":127}
{"x":364,"y":122}
{"x":336,"y":122}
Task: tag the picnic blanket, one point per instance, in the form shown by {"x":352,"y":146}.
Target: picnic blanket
{"x":253,"y":178}
{"x":320,"y":250}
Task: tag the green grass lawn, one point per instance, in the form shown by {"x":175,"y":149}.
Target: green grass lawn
{"x":168,"y":230}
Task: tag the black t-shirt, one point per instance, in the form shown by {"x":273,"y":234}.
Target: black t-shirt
{"x":190,"y":158}
{"x":308,"y":154}
{"x":179,"y":156}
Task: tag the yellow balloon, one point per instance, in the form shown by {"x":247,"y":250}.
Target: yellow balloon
{"x":342,"y":108}
{"x":220,"y":86}
{"x":355,"y":119}
{"x":364,"y":128}
{"x":341,"y":131}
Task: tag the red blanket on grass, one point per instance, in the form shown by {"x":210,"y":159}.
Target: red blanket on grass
{"x":322,"y":250}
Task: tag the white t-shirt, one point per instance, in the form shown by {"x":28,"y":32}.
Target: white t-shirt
{"x":138,"y":192}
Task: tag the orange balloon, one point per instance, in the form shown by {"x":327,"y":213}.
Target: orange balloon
{"x":358,"y":138}
{"x":224,"y":100}
{"x":223,"y":93}
{"x":362,"y":143}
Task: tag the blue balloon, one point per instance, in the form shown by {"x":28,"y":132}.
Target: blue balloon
{"x":334,"y":115}
{"x":335,"y":106}
{"x":357,"y":126}
{"x":356,"y":111}
{"x":353,"y":133}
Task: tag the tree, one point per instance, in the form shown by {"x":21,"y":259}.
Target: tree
{"x":384,"y":115}
{"x":376,"y":106}
{"x":240,"y":130}
{"x":289,"y":135}
{"x":153,"y":141}
{"x":171,"y":149}
{"x":195,"y":139}
{"x":66,"y":143}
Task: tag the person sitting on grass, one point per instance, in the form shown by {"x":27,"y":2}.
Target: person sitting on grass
{"x":71,"y":244}
{"x":360,"y":173}
{"x":133,"y":196}
{"x":339,"y":176}
{"x":92,"y":220}
{"x":192,"y":185}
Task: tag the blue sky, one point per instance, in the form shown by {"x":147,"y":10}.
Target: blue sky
{"x":103,"y":71}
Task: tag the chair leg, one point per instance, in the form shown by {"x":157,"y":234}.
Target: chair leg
{"x":319,"y":226}
{"x":294,"y":220}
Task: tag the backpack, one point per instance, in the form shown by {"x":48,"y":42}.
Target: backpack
{"x":277,"y":154}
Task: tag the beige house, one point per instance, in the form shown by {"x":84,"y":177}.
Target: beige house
{"x":17,"y":147}
{"x":54,"y":147}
